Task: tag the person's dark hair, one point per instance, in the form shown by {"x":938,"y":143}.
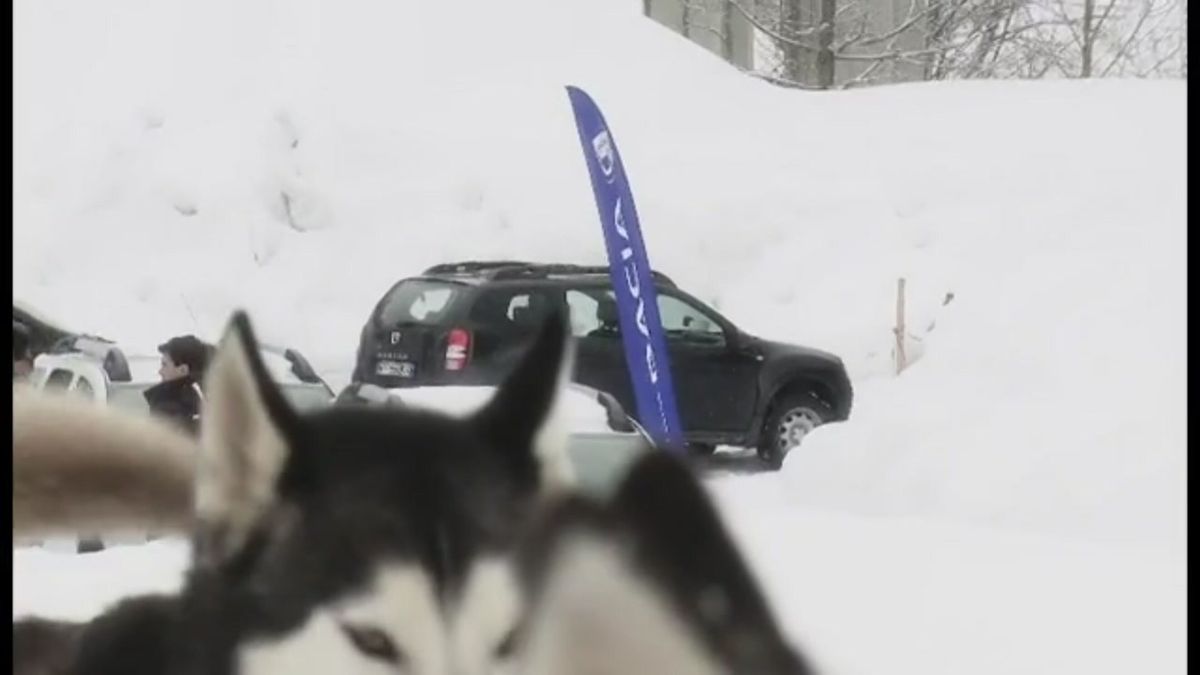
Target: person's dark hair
{"x":20,"y":342}
{"x":188,"y":350}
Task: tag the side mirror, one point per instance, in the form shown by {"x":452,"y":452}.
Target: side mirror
{"x":618,"y":419}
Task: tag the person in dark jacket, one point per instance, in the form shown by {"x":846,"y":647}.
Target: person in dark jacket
{"x":179,"y":396}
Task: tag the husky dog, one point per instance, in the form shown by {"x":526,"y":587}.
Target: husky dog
{"x":391,"y":540}
{"x":349,"y":539}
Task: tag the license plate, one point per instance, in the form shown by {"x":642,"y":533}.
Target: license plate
{"x":395,"y":368}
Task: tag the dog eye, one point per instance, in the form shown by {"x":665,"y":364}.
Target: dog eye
{"x":373,"y":642}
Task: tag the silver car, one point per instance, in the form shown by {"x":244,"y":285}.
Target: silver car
{"x":97,"y":369}
{"x":604,"y":440}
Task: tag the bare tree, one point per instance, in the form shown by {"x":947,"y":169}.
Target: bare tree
{"x":1115,"y":38}
{"x":973,"y":39}
{"x":824,"y":44}
{"x":726,"y":31}
{"x":825,"y":31}
{"x":708,"y":22}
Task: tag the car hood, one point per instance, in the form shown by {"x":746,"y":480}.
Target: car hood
{"x":771,"y":349}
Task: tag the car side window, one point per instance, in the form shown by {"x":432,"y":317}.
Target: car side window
{"x":516,"y":305}
{"x":582,"y":307}
{"x":516,"y":309}
{"x":683,"y":321}
{"x":593,"y":313}
{"x":59,"y":379}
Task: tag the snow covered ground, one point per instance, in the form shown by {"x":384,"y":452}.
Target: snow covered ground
{"x":1014,"y":502}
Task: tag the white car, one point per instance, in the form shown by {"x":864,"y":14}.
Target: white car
{"x":97,"y":369}
{"x":604,"y":439}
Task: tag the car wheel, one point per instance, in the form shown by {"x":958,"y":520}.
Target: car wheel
{"x":792,"y":418}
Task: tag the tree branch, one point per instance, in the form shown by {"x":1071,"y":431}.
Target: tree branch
{"x":775,"y":35}
{"x":898,"y":30}
{"x":862,"y":77}
{"x":1128,"y":41}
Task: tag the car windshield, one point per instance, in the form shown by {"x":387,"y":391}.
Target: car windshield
{"x":306,"y":396}
{"x":418,"y":301}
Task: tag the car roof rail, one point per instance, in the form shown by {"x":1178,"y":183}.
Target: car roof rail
{"x":538,"y":270}
{"x":507,"y":270}
{"x":474,"y":266}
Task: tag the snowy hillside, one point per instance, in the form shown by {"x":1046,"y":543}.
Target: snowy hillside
{"x":1014,"y":502}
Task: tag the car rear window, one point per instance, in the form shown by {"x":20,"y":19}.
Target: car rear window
{"x":419,"y":301}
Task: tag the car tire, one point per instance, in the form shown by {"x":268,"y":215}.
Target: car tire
{"x":793,"y":416}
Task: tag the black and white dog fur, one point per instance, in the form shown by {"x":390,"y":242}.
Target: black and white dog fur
{"x":392,"y":540}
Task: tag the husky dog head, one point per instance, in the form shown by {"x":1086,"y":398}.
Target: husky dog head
{"x":647,"y":583}
{"x":366,"y":539}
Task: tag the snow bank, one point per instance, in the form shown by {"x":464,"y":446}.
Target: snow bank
{"x":67,"y":586}
{"x":912,"y":595}
{"x":1052,"y":393}
{"x":296,"y":158}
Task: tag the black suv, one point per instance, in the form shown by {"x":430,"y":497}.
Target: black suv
{"x":467,"y":323}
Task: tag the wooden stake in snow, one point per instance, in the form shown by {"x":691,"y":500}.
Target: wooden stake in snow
{"x":901,"y":357}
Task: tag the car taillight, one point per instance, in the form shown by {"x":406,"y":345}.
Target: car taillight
{"x":458,"y":349}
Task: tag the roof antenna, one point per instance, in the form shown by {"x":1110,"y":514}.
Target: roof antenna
{"x":188,"y":306}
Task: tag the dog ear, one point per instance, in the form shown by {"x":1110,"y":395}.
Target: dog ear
{"x":246,"y":429}
{"x":683,"y":548}
{"x":589,"y":609}
{"x":526,"y":416}
{"x":648,"y":582}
